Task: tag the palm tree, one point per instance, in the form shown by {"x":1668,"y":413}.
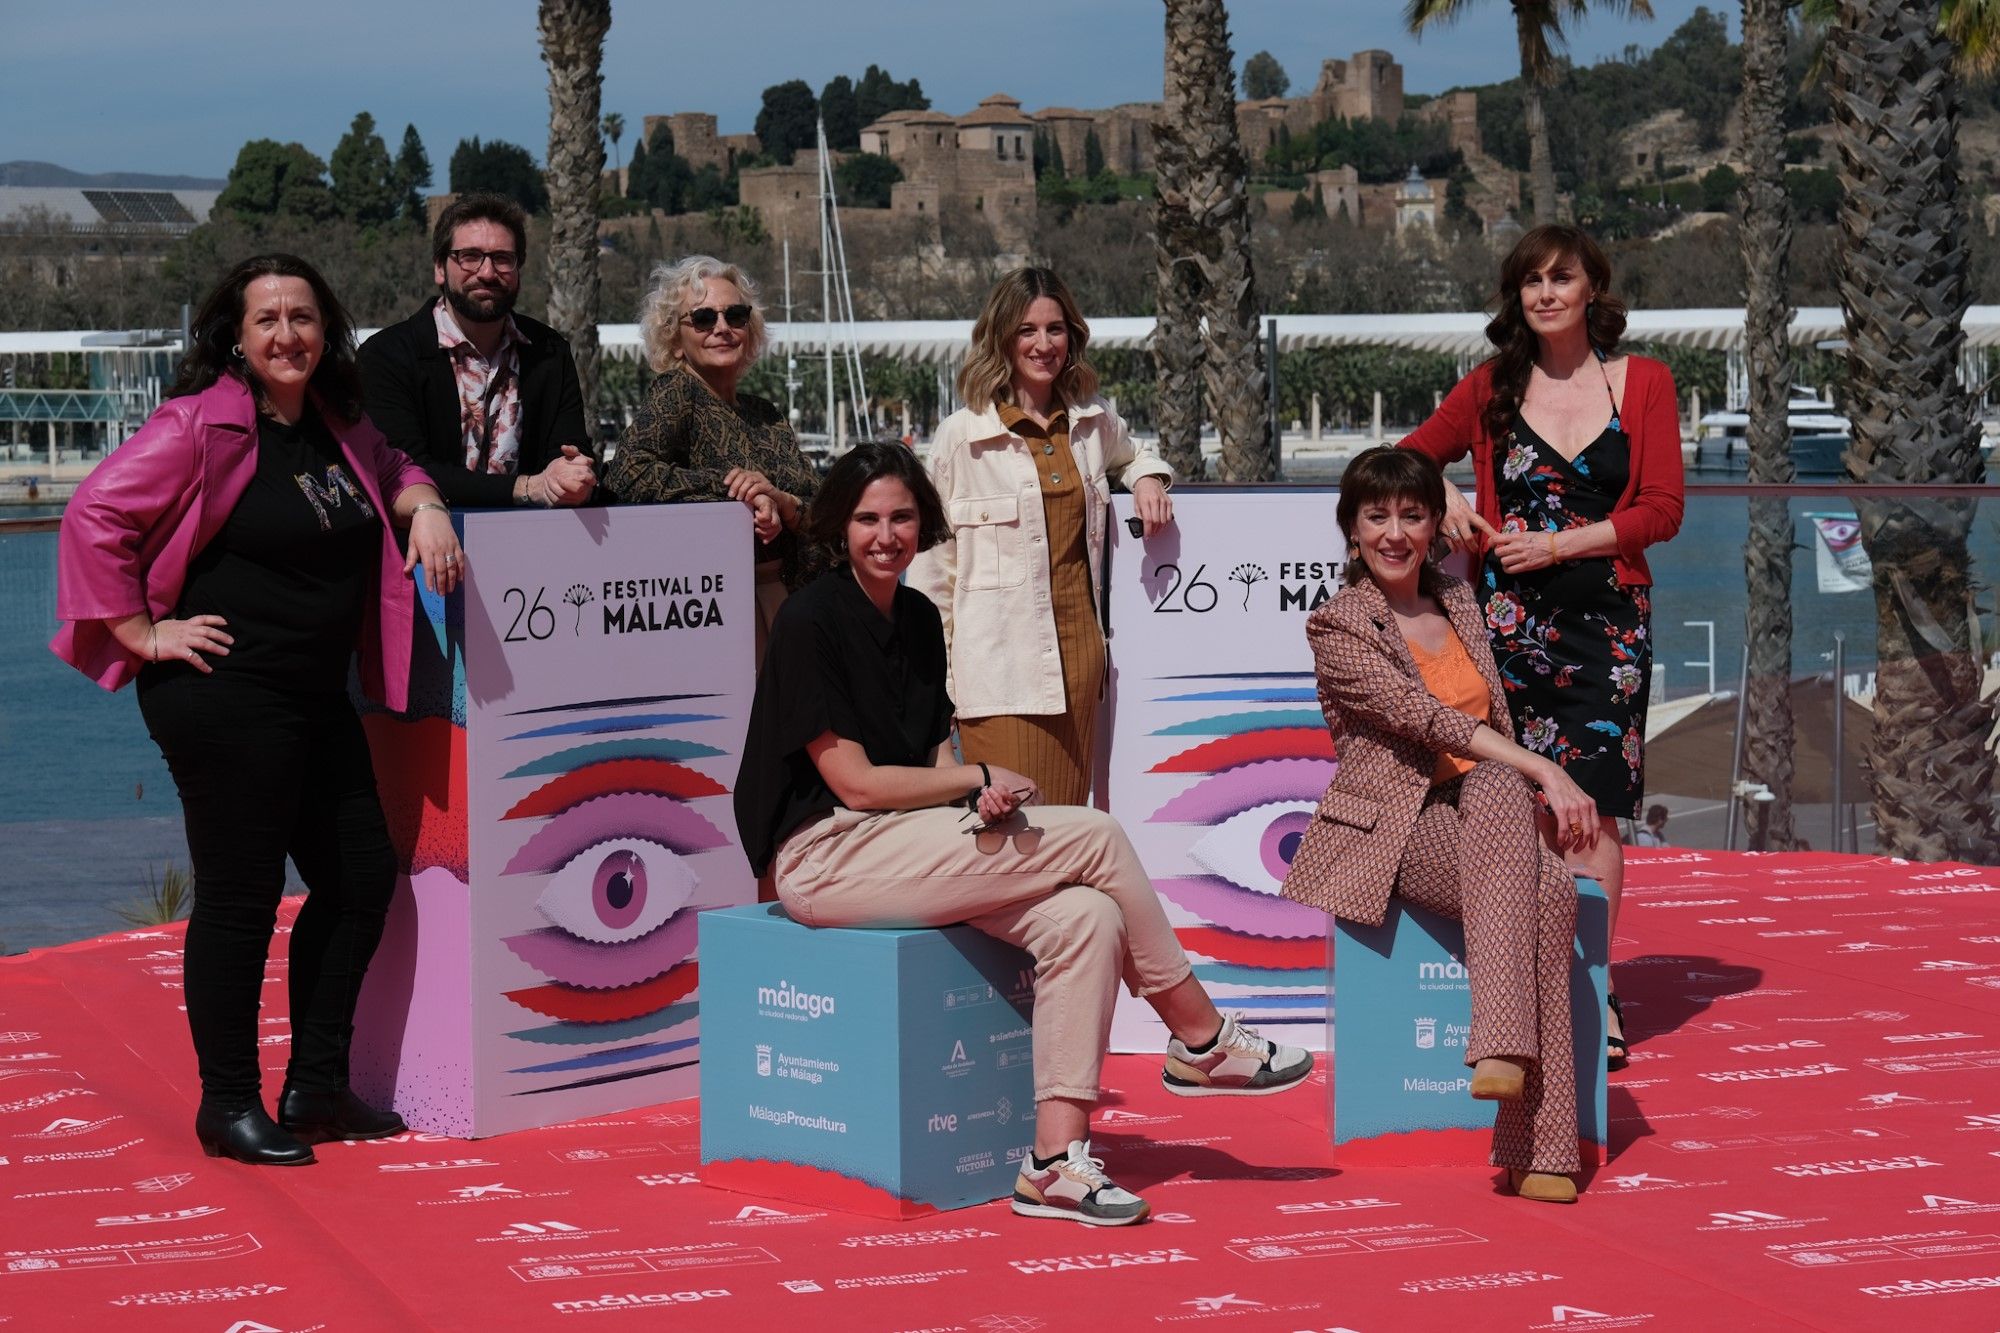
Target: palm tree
{"x":1903,"y":278}
{"x":614,"y":130}
{"x":1539,"y":33}
{"x":1766,"y":236}
{"x":572,"y":33}
{"x":1202,"y":239}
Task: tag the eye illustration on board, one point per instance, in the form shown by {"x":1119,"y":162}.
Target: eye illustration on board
{"x":1254,"y":815}
{"x":616,"y":891}
{"x":1253,"y":849}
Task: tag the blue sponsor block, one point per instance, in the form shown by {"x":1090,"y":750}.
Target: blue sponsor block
{"x":1401,"y":1014}
{"x":883,"y":1071}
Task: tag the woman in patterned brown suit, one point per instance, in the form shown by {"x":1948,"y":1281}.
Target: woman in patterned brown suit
{"x":1431,"y":803}
{"x":698,"y":438}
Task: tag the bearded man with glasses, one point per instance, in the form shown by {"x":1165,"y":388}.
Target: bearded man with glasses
{"x":484,"y":398}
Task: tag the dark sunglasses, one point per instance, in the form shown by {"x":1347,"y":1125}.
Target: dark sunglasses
{"x":703,"y":317}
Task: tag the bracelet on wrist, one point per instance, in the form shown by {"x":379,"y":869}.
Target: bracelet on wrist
{"x":985,"y":781}
{"x":1554,"y":559}
{"x":438,"y":505}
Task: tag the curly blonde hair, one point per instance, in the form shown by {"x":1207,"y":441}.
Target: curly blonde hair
{"x":676,"y":289}
{"x":988,"y":374}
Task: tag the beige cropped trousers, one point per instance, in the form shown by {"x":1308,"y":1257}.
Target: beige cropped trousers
{"x":1061,"y":882}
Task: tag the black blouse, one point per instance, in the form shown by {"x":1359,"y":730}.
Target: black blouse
{"x":835,"y":663}
{"x":291,"y":567}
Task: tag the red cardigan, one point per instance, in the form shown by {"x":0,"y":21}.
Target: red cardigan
{"x":1650,"y":509}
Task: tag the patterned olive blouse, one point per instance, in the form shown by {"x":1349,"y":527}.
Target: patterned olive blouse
{"x":684,"y":440}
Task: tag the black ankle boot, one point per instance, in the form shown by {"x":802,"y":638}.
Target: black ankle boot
{"x":334,"y":1115}
{"x":248,"y":1136}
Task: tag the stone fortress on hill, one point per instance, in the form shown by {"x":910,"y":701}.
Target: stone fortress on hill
{"x":983,"y":161}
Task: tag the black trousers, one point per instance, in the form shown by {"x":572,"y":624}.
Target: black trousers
{"x":265,"y":774}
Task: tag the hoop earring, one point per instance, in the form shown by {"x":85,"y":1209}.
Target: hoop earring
{"x":237,"y":351}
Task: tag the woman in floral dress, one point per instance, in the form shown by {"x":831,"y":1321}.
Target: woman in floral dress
{"x":1576,"y":453}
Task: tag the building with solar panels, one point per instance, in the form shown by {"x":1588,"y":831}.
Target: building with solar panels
{"x":105,"y":211}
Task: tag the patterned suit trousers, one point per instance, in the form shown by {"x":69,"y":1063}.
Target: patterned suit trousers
{"x":1475,"y":856}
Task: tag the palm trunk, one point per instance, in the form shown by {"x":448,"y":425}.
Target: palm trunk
{"x":1541,"y":162}
{"x":572,"y":33}
{"x":1904,"y":285}
{"x":1768,"y":743}
{"x":1203,"y":230}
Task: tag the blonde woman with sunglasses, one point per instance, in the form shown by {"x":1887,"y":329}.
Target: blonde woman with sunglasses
{"x":697,"y":438}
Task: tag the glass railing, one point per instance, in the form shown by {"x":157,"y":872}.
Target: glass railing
{"x":88,"y":811}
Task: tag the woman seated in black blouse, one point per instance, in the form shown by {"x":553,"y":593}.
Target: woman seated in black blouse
{"x":850,"y":797}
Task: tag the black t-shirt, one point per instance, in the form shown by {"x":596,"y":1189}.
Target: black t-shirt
{"x":834,"y":663}
{"x":291,"y":567}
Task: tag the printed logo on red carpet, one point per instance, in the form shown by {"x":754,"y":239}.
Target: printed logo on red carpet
{"x":1854,"y":1166}
{"x":1933,"y":1286}
{"x":625,"y":1263}
{"x":897,"y":1239}
{"x":1881,"y":1249}
{"x":1581,"y":1317}
{"x":1356,"y":1240}
{"x":197,"y":1295}
{"x":1086,"y":1263}
{"x":1519,"y":1277}
{"x":148,"y":1219}
{"x":633,"y":1300}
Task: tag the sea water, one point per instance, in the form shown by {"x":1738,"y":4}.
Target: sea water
{"x":87,"y":808}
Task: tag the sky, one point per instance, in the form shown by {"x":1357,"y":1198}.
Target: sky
{"x":141,"y":85}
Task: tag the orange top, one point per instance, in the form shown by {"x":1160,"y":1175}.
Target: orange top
{"x":1454,"y":682}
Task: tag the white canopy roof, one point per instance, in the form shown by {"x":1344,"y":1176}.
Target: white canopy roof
{"x":940,"y":340}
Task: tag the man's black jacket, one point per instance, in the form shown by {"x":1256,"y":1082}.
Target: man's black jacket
{"x":412,"y":397}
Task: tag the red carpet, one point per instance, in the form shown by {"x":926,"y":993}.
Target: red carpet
{"x":1808,"y":1138}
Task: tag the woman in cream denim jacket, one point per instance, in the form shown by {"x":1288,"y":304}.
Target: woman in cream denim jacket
{"x":1024,"y":473}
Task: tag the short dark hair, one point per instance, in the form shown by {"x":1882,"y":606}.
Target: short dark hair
{"x":854,"y":472}
{"x":217,"y":326}
{"x":1386,"y":473}
{"x":479,"y":208}
{"x":1656,"y":814}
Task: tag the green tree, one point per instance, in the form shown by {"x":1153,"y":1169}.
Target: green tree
{"x":877,"y":94}
{"x":614,"y":130}
{"x":1093,"y":154}
{"x":413,"y":175}
{"x":272,"y":179}
{"x":842,"y":114}
{"x":864,"y":180}
{"x":1264,"y":77}
{"x":659,"y":175}
{"x":788,"y":120}
{"x":1719,"y":186}
{"x":364,"y":180}
{"x":1538,"y":32}
{"x":498,"y":167}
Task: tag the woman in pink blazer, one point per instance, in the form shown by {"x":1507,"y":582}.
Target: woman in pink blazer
{"x":1431,"y":803}
{"x":231,"y":557}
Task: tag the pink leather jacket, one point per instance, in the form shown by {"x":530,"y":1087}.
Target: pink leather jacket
{"x":138,"y":521}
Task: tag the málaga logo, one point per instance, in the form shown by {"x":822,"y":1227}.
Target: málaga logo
{"x":787,"y":996}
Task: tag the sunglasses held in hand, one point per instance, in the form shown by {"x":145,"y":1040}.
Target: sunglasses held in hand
{"x":703,"y":317}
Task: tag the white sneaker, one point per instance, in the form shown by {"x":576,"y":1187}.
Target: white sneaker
{"x":1239,"y":1063}
{"x":1075,"y":1188}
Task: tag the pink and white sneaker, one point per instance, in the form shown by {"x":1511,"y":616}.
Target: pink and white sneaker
{"x":1238,"y":1063}
{"x":1075,"y":1188}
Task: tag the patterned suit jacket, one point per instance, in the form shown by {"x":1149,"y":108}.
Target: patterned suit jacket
{"x":1387,"y":732}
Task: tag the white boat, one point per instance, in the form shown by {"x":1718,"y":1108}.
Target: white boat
{"x":1819,"y":434}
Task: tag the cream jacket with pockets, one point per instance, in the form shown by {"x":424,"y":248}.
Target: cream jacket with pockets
{"x":991,"y":580}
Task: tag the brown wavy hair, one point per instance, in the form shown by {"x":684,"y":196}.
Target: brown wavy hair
{"x":988,"y":374}
{"x":1508,"y":330}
